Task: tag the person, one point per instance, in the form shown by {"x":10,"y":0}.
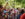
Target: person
{"x":9,"y":12}
{"x":18,"y":12}
{"x":0,"y":11}
{"x":22,"y":11}
{"x":22,"y":16}
{"x":4,"y":10}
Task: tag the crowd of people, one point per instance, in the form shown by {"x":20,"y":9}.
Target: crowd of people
{"x":12,"y":13}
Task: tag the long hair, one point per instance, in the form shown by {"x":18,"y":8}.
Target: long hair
{"x":22,"y":11}
{"x":0,"y":6}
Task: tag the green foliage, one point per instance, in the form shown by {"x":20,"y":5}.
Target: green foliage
{"x":23,"y":2}
{"x":18,"y":0}
{"x":2,"y":1}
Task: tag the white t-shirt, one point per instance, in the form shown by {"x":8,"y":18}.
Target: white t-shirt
{"x":17,"y":11}
{"x":12,"y":11}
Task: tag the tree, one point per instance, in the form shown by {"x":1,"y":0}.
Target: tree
{"x":23,"y":2}
{"x":2,"y":1}
{"x":18,"y":0}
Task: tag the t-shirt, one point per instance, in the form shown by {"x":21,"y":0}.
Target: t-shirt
{"x":12,"y":11}
{"x":5,"y":11}
{"x":22,"y":16}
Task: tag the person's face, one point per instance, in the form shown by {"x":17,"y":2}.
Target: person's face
{"x":19,"y":9}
